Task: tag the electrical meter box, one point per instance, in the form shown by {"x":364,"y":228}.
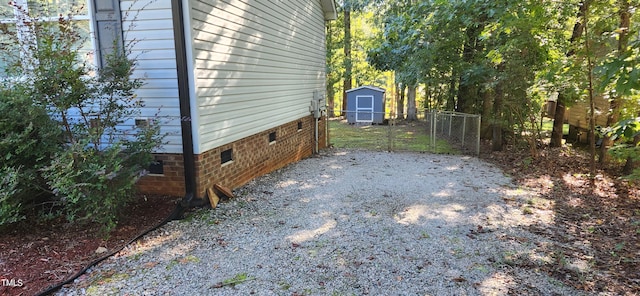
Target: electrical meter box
{"x":318,"y":105}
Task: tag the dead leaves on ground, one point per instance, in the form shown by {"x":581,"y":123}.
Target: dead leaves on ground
{"x":595,"y":218}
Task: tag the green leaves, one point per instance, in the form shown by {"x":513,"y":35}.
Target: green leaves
{"x":62,"y":135}
{"x":624,"y":130}
{"x":10,"y":189}
{"x":622,"y":72}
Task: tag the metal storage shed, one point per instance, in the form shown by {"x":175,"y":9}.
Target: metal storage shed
{"x":365,"y":104}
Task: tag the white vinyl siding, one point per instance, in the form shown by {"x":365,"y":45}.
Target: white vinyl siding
{"x":256,"y":63}
{"x":148,"y":26}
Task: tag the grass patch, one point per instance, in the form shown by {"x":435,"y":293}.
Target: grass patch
{"x":183,"y":260}
{"x":406,"y":137}
{"x":547,"y":125}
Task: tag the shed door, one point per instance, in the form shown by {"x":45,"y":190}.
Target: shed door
{"x":364,"y":108}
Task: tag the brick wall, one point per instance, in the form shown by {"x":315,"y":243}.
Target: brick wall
{"x":252,"y":156}
{"x":171,"y":182}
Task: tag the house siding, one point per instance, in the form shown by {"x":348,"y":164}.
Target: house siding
{"x":257,"y":65}
{"x":578,"y":114}
{"x":148,"y":30}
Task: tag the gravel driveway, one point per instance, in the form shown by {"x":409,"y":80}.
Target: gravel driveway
{"x":345,"y":223}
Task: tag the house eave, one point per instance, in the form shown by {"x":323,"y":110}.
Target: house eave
{"x":329,"y":9}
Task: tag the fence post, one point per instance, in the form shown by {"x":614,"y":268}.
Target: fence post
{"x":464,"y":128}
{"x":434,"y":131}
{"x":479,"y":118}
{"x":389,"y":140}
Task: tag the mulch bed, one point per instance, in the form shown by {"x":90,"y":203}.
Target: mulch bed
{"x":35,"y":255}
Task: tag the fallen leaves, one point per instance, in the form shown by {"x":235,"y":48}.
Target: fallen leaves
{"x":459,"y":279}
{"x":597,"y":218}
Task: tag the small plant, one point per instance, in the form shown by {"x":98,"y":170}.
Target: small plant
{"x":617,"y":248}
{"x":237,"y":279}
{"x":284,"y":285}
{"x":527,"y":161}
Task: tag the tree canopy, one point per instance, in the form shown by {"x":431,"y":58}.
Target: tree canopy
{"x":502,"y":59}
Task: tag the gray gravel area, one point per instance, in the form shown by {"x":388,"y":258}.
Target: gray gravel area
{"x":346,"y":222}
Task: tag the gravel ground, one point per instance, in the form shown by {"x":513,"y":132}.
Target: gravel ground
{"x":346,"y":222}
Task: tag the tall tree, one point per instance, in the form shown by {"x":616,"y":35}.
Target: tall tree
{"x":348,"y":64}
{"x":333,"y":76}
{"x":564,"y":92}
{"x":624,"y":13}
{"x":349,"y":7}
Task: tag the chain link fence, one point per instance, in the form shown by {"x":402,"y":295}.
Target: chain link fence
{"x":431,"y":131}
{"x":461,"y":130}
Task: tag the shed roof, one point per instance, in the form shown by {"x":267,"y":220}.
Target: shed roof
{"x":368,"y":87}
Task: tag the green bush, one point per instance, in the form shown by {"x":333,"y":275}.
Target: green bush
{"x":75,"y":134}
{"x":95,"y":185}
{"x":627,"y":148}
{"x":10,"y":210}
{"x":28,"y":140}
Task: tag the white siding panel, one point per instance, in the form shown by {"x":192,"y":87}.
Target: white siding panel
{"x":147,"y":26}
{"x":155,"y":74}
{"x":257,"y":64}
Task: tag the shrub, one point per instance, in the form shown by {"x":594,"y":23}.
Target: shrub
{"x":10,"y":210}
{"x":81,"y":140}
{"x":94,"y":185}
{"x":627,"y":148}
{"x":28,"y":140}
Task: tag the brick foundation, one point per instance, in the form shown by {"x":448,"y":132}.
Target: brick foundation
{"x":171,"y":182}
{"x":253,"y":156}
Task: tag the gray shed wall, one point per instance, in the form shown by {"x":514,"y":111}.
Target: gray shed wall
{"x":358,"y":99}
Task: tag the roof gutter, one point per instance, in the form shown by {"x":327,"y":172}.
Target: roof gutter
{"x":185,"y":102}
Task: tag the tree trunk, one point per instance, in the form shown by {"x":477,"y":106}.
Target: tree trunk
{"x":592,"y":113}
{"x":558,"y":122}
{"x":497,"y":142}
{"x":468,"y":90}
{"x":411,"y":103}
{"x":400,"y":105}
{"x":427,"y":97}
{"x":558,"y":118}
{"x":451,"y":100}
{"x":615,"y":104}
{"x":485,"y":126}
{"x":467,"y":94}
{"x":331,"y":93}
{"x":348,"y":64}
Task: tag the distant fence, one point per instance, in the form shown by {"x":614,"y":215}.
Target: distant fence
{"x":461,"y":130}
{"x":431,"y":131}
